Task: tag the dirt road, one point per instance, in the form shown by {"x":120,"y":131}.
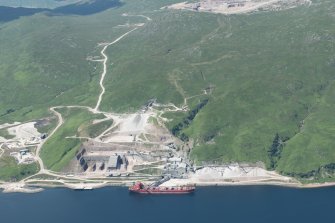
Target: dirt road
{"x":105,"y":67}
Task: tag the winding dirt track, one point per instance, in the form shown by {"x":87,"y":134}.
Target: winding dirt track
{"x":1,"y":150}
{"x":38,"y":150}
{"x":105,"y":67}
{"x":95,"y":110}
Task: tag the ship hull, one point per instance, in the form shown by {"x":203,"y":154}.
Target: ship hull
{"x":159,"y":191}
{"x":140,"y":188}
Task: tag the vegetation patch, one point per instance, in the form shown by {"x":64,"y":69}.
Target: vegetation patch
{"x":322,"y":174}
{"x":4,"y":133}
{"x":275,"y":151}
{"x":10,"y":171}
{"x":177,"y":129}
{"x":46,"y":125}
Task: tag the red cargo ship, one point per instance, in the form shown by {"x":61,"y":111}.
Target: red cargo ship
{"x":142,"y":189}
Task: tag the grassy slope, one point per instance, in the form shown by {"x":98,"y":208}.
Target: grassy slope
{"x":39,"y":53}
{"x":314,"y":145}
{"x":59,"y":150}
{"x":270,"y":70}
{"x":94,"y":130}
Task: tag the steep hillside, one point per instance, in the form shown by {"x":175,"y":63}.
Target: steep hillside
{"x":267,"y":77}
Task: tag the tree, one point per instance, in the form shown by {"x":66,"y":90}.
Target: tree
{"x":275,"y":151}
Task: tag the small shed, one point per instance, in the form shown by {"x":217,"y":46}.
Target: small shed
{"x":24,"y":151}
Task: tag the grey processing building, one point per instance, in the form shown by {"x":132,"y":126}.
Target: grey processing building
{"x":114,"y":162}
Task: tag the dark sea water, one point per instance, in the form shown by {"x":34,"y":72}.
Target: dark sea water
{"x":209,"y":204}
{"x":86,"y":8}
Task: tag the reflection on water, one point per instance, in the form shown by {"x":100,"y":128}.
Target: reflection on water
{"x":82,"y":8}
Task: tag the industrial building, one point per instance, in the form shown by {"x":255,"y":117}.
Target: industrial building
{"x":114,"y":162}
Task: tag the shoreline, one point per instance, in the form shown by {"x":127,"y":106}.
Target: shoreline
{"x":36,"y":188}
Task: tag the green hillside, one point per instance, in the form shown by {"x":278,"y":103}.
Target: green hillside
{"x":60,"y":149}
{"x":269,"y":77}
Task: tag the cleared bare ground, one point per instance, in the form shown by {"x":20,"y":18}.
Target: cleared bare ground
{"x":238,"y":6}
